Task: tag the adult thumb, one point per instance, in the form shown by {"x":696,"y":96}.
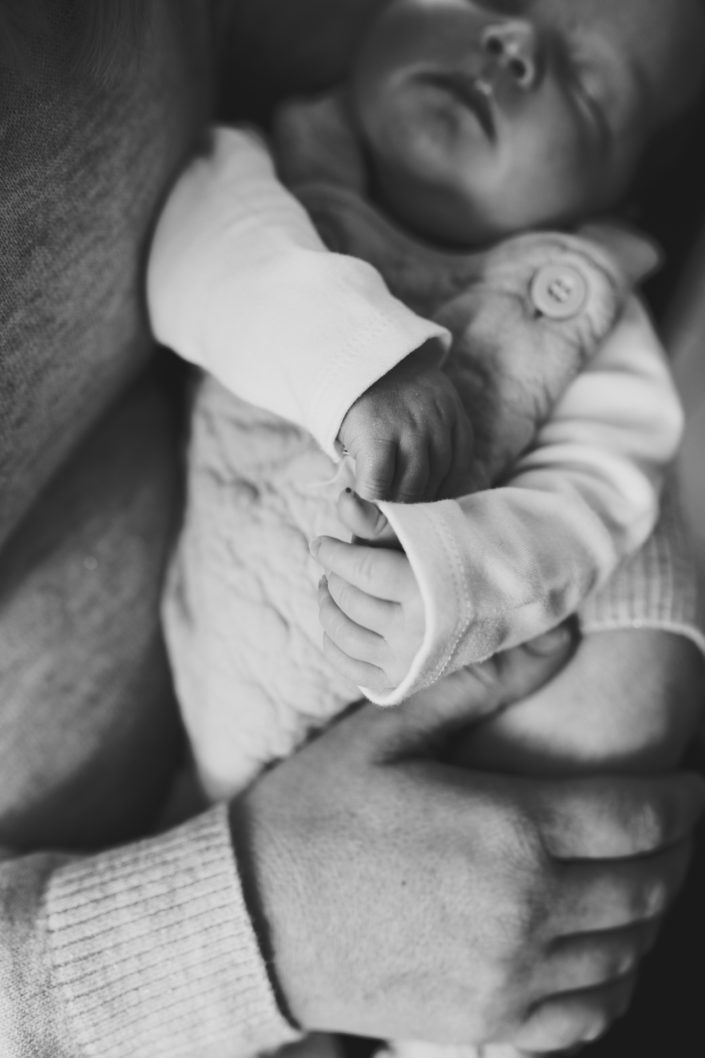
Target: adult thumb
{"x":424,"y":723}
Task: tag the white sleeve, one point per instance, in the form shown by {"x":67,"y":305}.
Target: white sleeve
{"x":501,"y":566}
{"x":240,"y":284}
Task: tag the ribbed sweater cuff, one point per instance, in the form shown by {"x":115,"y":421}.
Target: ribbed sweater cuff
{"x":155,"y":953}
{"x":657,"y":588}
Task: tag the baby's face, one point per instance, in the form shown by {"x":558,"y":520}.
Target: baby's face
{"x":484,"y":117}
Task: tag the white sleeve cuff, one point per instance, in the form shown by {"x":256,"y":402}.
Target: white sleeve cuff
{"x":494,"y":570}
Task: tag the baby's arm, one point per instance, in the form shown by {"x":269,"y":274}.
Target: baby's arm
{"x":240,"y":284}
{"x":629,"y":699}
{"x":497,"y":568}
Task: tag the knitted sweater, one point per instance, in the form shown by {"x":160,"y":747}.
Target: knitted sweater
{"x":144,"y":949}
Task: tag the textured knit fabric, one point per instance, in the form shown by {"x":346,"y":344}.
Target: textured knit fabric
{"x":148,"y":950}
{"x":515,"y":562}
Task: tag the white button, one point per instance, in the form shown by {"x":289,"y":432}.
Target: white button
{"x":559,"y":291}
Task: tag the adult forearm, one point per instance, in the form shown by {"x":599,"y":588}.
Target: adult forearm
{"x":143,"y":949}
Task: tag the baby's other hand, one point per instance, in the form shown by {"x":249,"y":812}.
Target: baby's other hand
{"x":409,"y":434}
{"x":369,"y":602}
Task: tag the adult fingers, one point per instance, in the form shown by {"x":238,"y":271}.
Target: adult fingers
{"x":376,"y":614}
{"x":568,"y":1020}
{"x":364,"y":568}
{"x":611,"y":818}
{"x":592,"y":960}
{"x":617,"y":893}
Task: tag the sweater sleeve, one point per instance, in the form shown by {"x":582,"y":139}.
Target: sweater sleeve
{"x":657,"y":588}
{"x":240,"y":284}
{"x":500,"y":567}
{"x":145,"y":950}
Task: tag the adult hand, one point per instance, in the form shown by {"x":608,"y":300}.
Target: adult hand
{"x":406,"y":898}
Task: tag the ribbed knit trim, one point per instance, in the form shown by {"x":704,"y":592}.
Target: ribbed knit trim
{"x":155,"y":953}
{"x":657,"y":588}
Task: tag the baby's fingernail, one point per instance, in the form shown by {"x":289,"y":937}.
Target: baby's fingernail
{"x":314,"y":546}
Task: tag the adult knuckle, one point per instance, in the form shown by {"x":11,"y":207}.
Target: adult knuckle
{"x":525,"y":917}
{"x":535,"y":883}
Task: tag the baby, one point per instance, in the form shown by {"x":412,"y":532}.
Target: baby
{"x":529,"y":368}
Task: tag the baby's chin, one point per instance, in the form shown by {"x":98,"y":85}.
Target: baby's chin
{"x":431,"y":209}
{"x":429,"y":202}
{"x":412,"y":178}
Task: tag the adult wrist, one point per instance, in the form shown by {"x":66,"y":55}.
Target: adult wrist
{"x":255,"y":864}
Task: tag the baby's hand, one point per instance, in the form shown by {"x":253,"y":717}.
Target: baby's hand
{"x":409,"y":435}
{"x":370,"y":605}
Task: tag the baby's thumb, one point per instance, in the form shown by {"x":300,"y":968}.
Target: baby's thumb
{"x":364,"y":519}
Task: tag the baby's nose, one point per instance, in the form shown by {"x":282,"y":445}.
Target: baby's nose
{"x":513,"y":46}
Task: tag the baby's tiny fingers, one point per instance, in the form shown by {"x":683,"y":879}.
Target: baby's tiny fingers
{"x":379,"y":572}
{"x":354,"y":640}
{"x":364,"y":519}
{"x":358,"y":672}
{"x":376,"y":614}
